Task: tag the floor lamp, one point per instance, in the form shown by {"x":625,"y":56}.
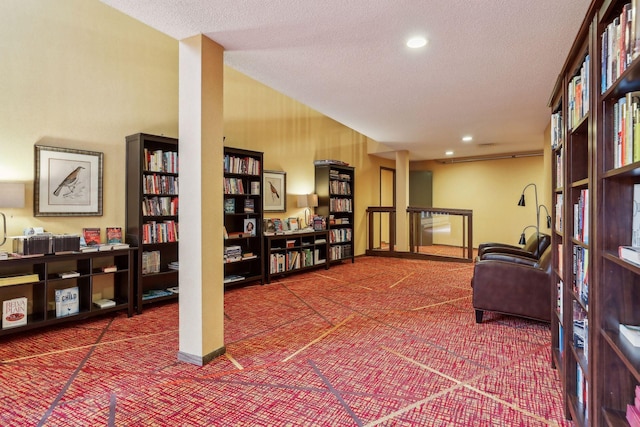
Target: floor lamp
{"x":307,"y":201}
{"x":11,"y":196}
{"x":521,"y":202}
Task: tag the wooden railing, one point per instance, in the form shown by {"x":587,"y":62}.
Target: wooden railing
{"x":432,"y":233}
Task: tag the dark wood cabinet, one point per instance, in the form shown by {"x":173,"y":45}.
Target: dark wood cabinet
{"x":44,"y":275}
{"x":295,"y":252}
{"x":243,"y":252}
{"x":335,"y":186}
{"x":152,"y":215}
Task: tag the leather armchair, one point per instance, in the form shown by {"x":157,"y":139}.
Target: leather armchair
{"x":513,"y":285}
{"x":531,"y":249}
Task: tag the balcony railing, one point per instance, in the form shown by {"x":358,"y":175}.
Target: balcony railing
{"x":434,"y":233}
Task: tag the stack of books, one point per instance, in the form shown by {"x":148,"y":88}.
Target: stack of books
{"x":232,"y":253}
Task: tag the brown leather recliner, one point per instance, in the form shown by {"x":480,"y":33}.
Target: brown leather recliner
{"x":513,"y":285}
{"x":531,"y":249}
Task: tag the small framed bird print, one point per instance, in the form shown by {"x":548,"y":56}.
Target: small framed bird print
{"x":274,"y":188}
{"x":68,"y":182}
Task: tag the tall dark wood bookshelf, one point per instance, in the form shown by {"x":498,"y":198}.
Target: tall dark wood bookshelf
{"x":335,"y":185}
{"x":152,"y":215}
{"x":598,"y":285}
{"x":244,"y":249}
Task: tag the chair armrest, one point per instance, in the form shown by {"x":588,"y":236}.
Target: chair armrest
{"x":496,"y":247}
{"x":507,"y":251}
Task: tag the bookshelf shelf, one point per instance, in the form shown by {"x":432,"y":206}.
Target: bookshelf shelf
{"x":335,"y":187}
{"x":40,"y":294}
{"x":152,"y":174}
{"x":243,"y":206}
{"x":296,"y":252}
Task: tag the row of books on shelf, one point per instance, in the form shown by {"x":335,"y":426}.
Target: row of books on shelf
{"x":340,"y":204}
{"x":557,"y":132}
{"x":236,"y":186}
{"x":242,"y":165}
{"x":340,"y":252}
{"x":578,"y":92}
{"x":582,"y":394}
{"x":559,"y":168}
{"x":291,"y":260}
{"x":159,"y":184}
{"x":581,"y":273}
{"x":340,"y":235}
{"x":560,"y":299}
{"x":581,"y":217}
{"x":340,"y":187}
{"x":159,"y":232}
{"x":336,"y":174}
{"x":580,"y":329}
{"x":620,"y":44}
{"x":234,"y":253}
{"x":158,"y":293}
{"x":248,"y":205}
{"x":160,"y":161}
{"x":160,"y":206}
{"x":559,"y":207}
{"x":67,"y":303}
{"x":626,"y":130}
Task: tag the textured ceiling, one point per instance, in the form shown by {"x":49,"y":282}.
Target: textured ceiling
{"x":488,"y":69}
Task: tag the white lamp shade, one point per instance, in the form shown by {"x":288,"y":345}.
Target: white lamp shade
{"x":307,"y":201}
{"x":12,"y":194}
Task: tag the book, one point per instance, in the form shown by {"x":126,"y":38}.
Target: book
{"x":14,"y":312}
{"x":293,"y":224}
{"x":68,"y":274}
{"x":232,"y":278}
{"x":114,"y":235}
{"x":174,"y":289}
{"x":249,"y":205}
{"x":631,"y":333}
{"x":109,"y":269}
{"x":630,"y":254}
{"x":84,"y":249}
{"x":104,"y":303}
{"x":20,"y":279}
{"x":91,"y":236}
{"x":155,"y":293}
{"x":635,"y":225}
{"x":67,"y":301}
{"x":229,"y":205}
{"x":250,"y":226}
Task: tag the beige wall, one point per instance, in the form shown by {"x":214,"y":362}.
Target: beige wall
{"x":78,"y":74}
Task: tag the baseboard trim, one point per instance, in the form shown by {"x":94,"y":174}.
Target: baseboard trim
{"x":201,"y":360}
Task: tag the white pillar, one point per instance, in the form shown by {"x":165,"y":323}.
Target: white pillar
{"x":402,"y":201}
{"x":201,"y":211}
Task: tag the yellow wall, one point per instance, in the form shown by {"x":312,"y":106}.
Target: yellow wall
{"x":491,"y":189}
{"x":78,"y":74}
{"x":292,"y":136}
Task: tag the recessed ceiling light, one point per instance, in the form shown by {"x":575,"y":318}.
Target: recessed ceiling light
{"x":448,"y":153}
{"x":416,"y":42}
{"x":467,"y":138}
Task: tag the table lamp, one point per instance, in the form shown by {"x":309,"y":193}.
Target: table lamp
{"x":11,"y":196}
{"x":307,"y":201}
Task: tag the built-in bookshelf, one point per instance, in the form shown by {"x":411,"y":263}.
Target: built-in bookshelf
{"x":152,"y":215}
{"x":335,"y":185}
{"x":296,"y":252}
{"x":243,"y":243}
{"x":596,"y":174}
{"x":52,"y":289}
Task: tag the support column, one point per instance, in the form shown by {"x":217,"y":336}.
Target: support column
{"x":201,"y":299}
{"x":402,"y":201}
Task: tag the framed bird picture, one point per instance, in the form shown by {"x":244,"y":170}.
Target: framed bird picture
{"x":68,"y":182}
{"x":274,"y":191}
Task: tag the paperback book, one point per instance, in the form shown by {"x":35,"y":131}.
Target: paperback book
{"x":114,"y":235}
{"x":14,"y":312}
{"x":67,"y":301}
{"x":91,"y":236}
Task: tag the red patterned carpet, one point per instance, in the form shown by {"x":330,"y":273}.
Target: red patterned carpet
{"x":382,"y":342}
